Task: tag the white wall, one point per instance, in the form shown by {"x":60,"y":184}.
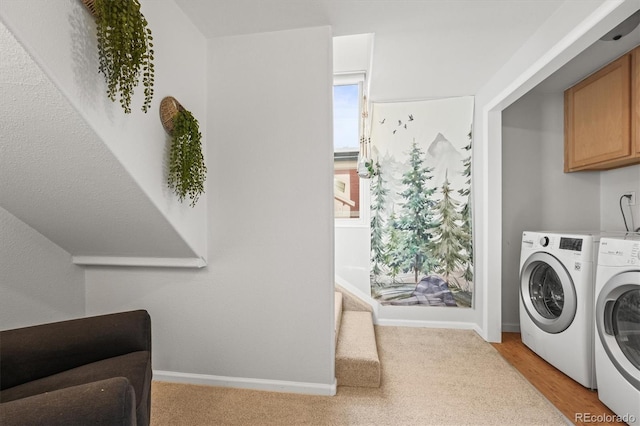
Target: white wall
{"x":60,"y":35}
{"x":352,"y":256}
{"x":263,"y":307}
{"x":353,"y":53}
{"x":536,"y":193}
{"x":613,"y":184}
{"x":522,"y":195}
{"x":38,"y":282}
{"x":571,"y":200}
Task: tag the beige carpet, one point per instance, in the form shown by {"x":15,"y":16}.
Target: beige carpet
{"x":429,"y":377}
{"x":357,"y":360}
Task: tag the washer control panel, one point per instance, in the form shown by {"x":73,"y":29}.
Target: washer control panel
{"x":569,"y":243}
{"x":619,"y":252}
{"x":573,"y":245}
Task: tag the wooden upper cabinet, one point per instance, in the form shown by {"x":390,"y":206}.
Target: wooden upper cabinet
{"x":601,"y":117}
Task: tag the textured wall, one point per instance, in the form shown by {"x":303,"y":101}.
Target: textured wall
{"x":60,"y":37}
{"x":61,"y":179}
{"x":263,"y":307}
{"x":38,"y":282}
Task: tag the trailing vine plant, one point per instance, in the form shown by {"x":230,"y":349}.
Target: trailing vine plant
{"x":125,"y":50}
{"x":187,"y":171}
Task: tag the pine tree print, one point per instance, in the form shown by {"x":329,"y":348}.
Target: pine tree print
{"x":449,"y":238}
{"x":378,"y":249}
{"x":394,"y":247}
{"x":415,"y":216}
{"x":465,"y":212}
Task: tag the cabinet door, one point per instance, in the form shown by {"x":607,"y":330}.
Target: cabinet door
{"x":597,"y":117}
{"x":635,"y":98}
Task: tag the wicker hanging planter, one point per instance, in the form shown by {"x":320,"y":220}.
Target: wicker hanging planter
{"x":186,"y":169}
{"x":91,"y":6}
{"x":169,"y":107}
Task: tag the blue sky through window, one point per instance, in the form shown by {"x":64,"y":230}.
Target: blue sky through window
{"x":346,"y":114}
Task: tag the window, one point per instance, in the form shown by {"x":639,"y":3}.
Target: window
{"x":347,"y":96}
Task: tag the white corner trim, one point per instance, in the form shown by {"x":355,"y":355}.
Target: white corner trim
{"x":153,"y":262}
{"x":247,"y":383}
{"x":563,"y":45}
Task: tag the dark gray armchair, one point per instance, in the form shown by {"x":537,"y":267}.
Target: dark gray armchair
{"x":94,"y":370}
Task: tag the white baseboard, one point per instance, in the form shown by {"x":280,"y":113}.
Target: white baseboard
{"x":428,"y":324}
{"x":480,"y":331}
{"x":359,"y":293}
{"x":246,"y":383}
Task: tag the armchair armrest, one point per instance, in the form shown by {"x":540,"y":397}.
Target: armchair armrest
{"x":31,"y":353}
{"x":105,"y":402}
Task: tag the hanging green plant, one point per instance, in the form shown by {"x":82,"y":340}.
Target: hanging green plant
{"x":125,"y":49}
{"x":187,"y":171}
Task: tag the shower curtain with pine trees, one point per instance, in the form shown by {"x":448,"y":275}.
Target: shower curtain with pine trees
{"x":421,"y":233}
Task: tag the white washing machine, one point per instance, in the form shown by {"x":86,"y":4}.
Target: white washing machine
{"x":617,"y":319}
{"x":557,"y":279}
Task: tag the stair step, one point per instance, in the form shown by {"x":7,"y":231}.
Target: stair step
{"x":357,"y":362}
{"x":338,"y":314}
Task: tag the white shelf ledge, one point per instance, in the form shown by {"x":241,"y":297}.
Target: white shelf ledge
{"x":153,"y":262}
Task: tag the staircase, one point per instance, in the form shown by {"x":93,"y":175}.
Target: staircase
{"x":357,"y":362}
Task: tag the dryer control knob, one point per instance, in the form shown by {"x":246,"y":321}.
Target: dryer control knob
{"x":544,"y":241}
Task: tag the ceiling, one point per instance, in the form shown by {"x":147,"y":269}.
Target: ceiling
{"x":423,"y":48}
{"x":424,"y":18}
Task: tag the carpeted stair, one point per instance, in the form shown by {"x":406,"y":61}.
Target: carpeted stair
{"x":338,"y":313}
{"x":357,"y":362}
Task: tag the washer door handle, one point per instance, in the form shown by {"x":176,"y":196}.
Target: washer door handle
{"x":608,"y":316}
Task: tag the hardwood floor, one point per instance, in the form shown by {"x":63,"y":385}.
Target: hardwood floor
{"x":579,"y":404}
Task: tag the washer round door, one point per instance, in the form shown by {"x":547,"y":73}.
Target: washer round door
{"x":548,"y":292}
{"x":618,"y":323}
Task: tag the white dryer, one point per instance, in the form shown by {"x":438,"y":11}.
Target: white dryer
{"x":557,"y":279}
{"x":617,"y":319}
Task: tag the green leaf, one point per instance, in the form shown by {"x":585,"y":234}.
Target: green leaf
{"x":124,"y":49}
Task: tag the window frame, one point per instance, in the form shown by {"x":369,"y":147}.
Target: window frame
{"x":363,"y":219}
